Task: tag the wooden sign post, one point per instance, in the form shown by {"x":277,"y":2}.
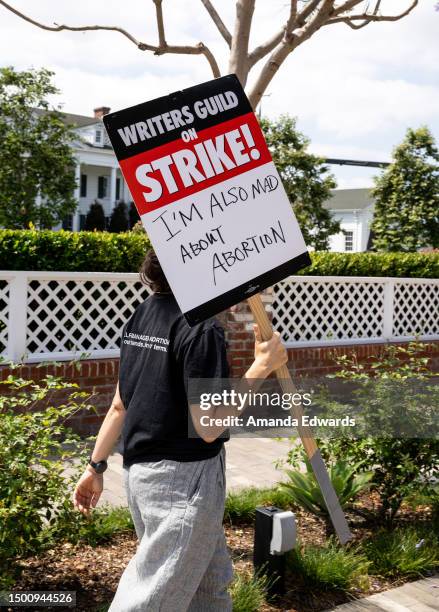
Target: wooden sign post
{"x":214,"y":207}
{"x":315,"y":458}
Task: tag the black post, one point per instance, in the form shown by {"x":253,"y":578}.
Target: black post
{"x":272,"y":566}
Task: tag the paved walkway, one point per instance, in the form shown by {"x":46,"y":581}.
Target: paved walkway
{"x":419,"y":596}
{"x":250,"y":462}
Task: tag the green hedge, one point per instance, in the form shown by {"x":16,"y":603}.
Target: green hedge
{"x":401,"y":265}
{"x":71,"y":251}
{"x":106,"y":252}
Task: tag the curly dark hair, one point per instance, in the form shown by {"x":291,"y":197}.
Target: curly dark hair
{"x":152,"y":275}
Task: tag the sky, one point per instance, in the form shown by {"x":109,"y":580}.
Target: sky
{"x":354,"y":93}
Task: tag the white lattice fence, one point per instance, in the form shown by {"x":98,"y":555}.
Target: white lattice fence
{"x":316,"y":310}
{"x":60,"y":315}
{"x":416,"y":308}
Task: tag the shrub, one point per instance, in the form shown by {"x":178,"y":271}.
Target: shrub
{"x":240,"y":505}
{"x":133,"y":215}
{"x":248,"y":592}
{"x":34,"y":444}
{"x":400,"y":265}
{"x":96,"y":251}
{"x":97,"y":528}
{"x":401,"y":465}
{"x":72,"y":251}
{"x":426,"y":496}
{"x":305,"y":491}
{"x":95,"y":219}
{"x":119,"y":218}
{"x":329,"y":566}
{"x":410,"y":551}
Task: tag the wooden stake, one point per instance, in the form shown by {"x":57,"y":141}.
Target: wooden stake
{"x":335,"y":511}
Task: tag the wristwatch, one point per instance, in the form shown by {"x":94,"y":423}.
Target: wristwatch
{"x":98,"y":466}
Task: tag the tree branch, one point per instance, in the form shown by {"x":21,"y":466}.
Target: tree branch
{"x":346,"y":6}
{"x":290,"y":41}
{"x":218,"y":21}
{"x":295,"y":20}
{"x":367,"y":18}
{"x":160,"y":24}
{"x":239,"y":50}
{"x":161,"y":49}
{"x":265,"y":48}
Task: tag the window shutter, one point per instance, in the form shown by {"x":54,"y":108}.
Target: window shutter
{"x":83,"y":190}
{"x":101,"y":187}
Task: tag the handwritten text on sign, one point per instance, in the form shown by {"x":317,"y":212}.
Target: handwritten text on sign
{"x":209,"y":195}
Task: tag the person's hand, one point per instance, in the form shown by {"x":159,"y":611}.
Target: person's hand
{"x":269,"y":354}
{"x":88,"y":490}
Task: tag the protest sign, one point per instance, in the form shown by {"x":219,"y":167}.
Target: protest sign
{"x":209,"y":196}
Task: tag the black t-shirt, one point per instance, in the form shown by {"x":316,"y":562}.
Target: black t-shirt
{"x":159,"y":353}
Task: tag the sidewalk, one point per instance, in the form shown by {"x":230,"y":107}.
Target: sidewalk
{"x":418,"y":596}
{"x":249,"y":463}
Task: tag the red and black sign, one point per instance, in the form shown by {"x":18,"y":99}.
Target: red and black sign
{"x":188,"y":158}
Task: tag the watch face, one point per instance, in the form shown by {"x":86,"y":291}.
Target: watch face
{"x":99,"y":467}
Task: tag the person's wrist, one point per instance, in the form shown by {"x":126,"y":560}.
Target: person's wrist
{"x":260,"y":368}
{"x":91,"y":469}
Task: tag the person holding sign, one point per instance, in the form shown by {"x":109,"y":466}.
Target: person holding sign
{"x":175,"y":484}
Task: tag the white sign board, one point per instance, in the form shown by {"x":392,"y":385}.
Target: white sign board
{"x":209,"y":196}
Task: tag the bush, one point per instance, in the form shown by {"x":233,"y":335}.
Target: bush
{"x":72,"y":251}
{"x":400,"y":265}
{"x":119,"y":218}
{"x":248,"y":592}
{"x":35,"y":443}
{"x":96,"y":251}
{"x":329,"y":566}
{"x":133,"y":215}
{"x":409,"y":551}
{"x":401,"y":465}
{"x":97,"y":528}
{"x":95,"y":219}
{"x":240,"y":505}
{"x":305,"y":491}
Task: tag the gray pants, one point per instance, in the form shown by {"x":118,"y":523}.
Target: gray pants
{"x":181,"y":563}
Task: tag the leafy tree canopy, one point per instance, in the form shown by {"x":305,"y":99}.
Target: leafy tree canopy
{"x":306,"y":179}
{"x":406,"y":216}
{"x":37,"y":176}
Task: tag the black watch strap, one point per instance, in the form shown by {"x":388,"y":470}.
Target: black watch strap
{"x":98,"y":466}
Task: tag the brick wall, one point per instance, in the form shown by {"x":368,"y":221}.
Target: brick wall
{"x":99,"y":376}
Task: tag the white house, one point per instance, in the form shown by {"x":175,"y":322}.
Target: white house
{"x":354,"y":209}
{"x":99,"y":178}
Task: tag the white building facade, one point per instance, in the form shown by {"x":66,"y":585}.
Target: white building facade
{"x":354,"y":209}
{"x":99,"y":179}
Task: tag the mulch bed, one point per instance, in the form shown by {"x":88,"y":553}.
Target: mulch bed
{"x":94,"y":572}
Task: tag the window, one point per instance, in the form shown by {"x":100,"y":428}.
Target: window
{"x":98,"y":136}
{"x":83,"y":190}
{"x":117,"y":189}
{"x":82,"y":219}
{"x":349,"y":240}
{"x":67,"y":223}
{"x":102,"y":186}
